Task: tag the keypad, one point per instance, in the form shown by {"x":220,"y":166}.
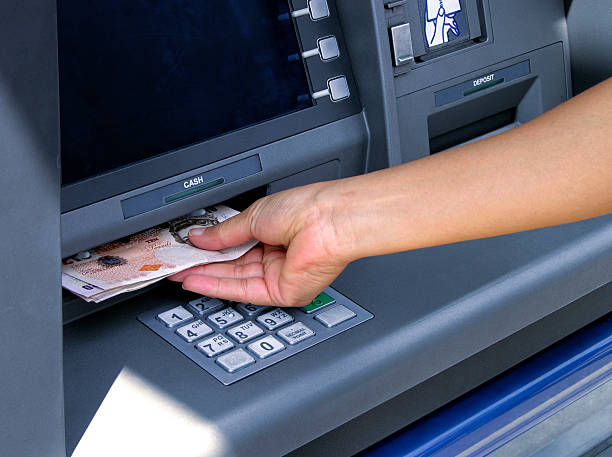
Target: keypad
{"x":234,"y":340}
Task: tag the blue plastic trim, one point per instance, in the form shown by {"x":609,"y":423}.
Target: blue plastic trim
{"x":567,"y":370}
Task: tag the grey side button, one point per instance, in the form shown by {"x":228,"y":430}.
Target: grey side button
{"x":337,"y":89}
{"x":401,"y":41}
{"x":317,"y":9}
{"x":327,"y":49}
{"x":335,"y":316}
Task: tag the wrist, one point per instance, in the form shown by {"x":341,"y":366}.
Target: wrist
{"x":337,"y":204}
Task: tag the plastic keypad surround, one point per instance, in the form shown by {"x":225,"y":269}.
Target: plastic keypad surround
{"x":226,"y":354}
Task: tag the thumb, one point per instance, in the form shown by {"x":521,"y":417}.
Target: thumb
{"x":232,"y":232}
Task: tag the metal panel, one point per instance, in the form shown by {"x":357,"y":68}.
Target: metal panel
{"x":590,"y":38}
{"x":31,"y":393}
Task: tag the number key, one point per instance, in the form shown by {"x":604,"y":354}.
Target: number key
{"x":245,"y":332}
{"x":215,"y":345}
{"x":250,"y":309}
{"x":205,"y":305}
{"x":225,"y":317}
{"x":275,"y":318}
{"x":265,"y":347}
{"x":175,"y":316}
{"x":194,"y":331}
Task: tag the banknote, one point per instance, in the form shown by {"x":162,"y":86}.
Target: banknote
{"x":81,"y":288}
{"x":139,"y":260}
{"x":91,"y":293}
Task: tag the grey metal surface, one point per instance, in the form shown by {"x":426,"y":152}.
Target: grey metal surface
{"x":589,"y":24}
{"x":365,"y":31}
{"x":398,"y":412}
{"x":435,"y":308}
{"x":31,"y":419}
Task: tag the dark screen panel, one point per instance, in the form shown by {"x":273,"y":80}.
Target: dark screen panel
{"x":139,"y":78}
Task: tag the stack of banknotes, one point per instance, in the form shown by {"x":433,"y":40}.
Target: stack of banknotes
{"x":136,"y":261}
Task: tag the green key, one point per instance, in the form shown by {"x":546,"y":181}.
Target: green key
{"x":320,"y":301}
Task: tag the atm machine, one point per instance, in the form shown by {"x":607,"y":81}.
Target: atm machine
{"x":160,"y":108}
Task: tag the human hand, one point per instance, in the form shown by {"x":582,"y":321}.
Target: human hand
{"x":302,"y":252}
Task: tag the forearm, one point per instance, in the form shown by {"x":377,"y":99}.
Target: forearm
{"x":553,"y":170}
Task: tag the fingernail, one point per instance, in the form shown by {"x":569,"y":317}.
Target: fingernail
{"x":196,"y":232}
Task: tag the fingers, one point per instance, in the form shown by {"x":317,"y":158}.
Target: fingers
{"x":231,"y":268}
{"x":232,"y":232}
{"x":224,"y":270}
{"x":255,"y":282}
{"x":245,"y":290}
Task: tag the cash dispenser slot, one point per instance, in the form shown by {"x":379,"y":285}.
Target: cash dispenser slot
{"x":190,"y":186}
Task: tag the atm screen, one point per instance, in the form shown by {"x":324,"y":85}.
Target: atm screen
{"x":140,"y":78}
